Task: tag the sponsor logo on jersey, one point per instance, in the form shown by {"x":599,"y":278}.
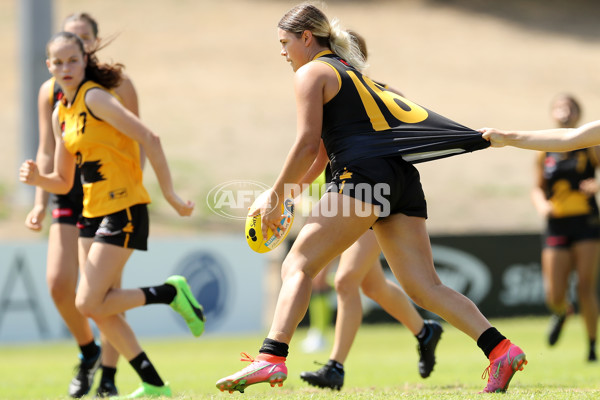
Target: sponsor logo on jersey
{"x":117,"y":194}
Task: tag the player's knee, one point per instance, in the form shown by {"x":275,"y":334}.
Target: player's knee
{"x":287,"y":268}
{"x":85,"y":306}
{"x":297,"y":260}
{"x":61,"y":291}
{"x":345,"y":284}
{"x":292,"y":267}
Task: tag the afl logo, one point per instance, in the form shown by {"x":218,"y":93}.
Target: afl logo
{"x":232,"y":199}
{"x":208,"y":277}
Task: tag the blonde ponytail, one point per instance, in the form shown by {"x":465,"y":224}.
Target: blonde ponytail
{"x":342,"y":44}
{"x":308,"y":17}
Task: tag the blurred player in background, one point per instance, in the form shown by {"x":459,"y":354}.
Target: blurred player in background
{"x":365,"y":132}
{"x":62,"y":264}
{"x":565,"y":195}
{"x":94,"y":130}
{"x":360,"y":268}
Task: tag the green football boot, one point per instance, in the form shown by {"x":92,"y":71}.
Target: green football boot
{"x":147,"y":390}
{"x":186,"y":305}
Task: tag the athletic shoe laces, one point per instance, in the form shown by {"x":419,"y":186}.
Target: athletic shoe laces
{"x":247,"y":358}
{"x":486,"y":372}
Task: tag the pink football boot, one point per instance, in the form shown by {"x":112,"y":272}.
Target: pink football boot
{"x":263,"y":368}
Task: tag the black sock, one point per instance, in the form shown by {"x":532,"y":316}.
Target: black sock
{"x":274,"y":347}
{"x":108,"y":374}
{"x":336,"y":365}
{"x":163,"y":294}
{"x":423,"y":333}
{"x":489,"y":340}
{"x":145,"y":370}
{"x":90,"y":351}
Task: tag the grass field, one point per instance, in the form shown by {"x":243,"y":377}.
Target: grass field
{"x":383,"y":364}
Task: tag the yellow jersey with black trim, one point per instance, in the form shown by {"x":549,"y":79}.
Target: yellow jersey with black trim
{"x":56,"y":94}
{"x":109,"y":160}
{"x":366,"y":120}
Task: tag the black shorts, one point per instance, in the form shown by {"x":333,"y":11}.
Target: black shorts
{"x":67,"y":208}
{"x":127,"y":228}
{"x":391,"y":183}
{"x":564,"y":232}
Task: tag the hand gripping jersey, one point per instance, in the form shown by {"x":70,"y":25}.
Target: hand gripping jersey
{"x":109,"y":160}
{"x":563,"y":172}
{"x":364,"y":120}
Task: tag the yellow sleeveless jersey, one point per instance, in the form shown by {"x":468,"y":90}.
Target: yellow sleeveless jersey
{"x":108,"y":159}
{"x":55,"y":94}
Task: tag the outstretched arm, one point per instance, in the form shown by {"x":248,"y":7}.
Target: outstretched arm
{"x":587,"y":135}
{"x":109,"y":109}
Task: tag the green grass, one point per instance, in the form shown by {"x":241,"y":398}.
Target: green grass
{"x":382,"y":364}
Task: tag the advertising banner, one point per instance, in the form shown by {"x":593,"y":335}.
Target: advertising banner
{"x":224,"y":274}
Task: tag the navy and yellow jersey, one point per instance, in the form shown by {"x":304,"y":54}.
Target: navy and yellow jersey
{"x":364,"y":120}
{"x":563,"y":173}
{"x":108,"y":159}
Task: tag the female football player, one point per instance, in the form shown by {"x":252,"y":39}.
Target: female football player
{"x":96,"y":132}
{"x":369,"y":135}
{"x":62,"y":269}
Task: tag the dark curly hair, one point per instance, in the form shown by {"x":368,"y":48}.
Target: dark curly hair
{"x":107,"y":75}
